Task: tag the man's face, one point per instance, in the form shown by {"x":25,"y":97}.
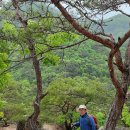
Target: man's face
{"x":82,"y":111}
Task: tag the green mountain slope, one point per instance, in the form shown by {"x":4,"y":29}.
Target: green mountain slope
{"x":89,"y":59}
{"x":118,"y":26}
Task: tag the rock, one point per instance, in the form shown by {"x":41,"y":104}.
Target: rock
{"x":101,"y":128}
{"x":10,"y":127}
{"x":122,"y":128}
{"x":52,"y":127}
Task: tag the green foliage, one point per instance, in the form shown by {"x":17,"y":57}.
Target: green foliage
{"x":3,"y":66}
{"x":65,"y":94}
{"x":1,"y":115}
{"x":16,"y":100}
{"x":42,"y":23}
{"x":3,"y":57}
{"x":61,"y":38}
{"x":51,"y":58}
{"x":100,"y":118}
{"x":17,"y":112}
{"x":117,"y":26}
{"x":47,"y":23}
{"x":4,"y":48}
{"x":126,"y":115}
{"x":2,"y":103}
{"x":9,"y":29}
{"x":43,"y":41}
{"x":60,"y":119}
{"x":88,"y":59}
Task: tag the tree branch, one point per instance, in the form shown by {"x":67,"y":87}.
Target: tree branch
{"x":80,"y":29}
{"x":110,"y":63}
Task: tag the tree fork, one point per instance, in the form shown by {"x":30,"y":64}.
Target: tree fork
{"x":118,"y":103}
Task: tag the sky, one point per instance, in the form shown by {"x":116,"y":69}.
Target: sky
{"x":125,"y":8}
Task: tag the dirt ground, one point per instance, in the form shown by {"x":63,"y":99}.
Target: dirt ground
{"x":45,"y":127}
{"x":50,"y":127}
{"x":10,"y":127}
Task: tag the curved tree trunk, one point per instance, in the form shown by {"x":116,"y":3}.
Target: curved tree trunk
{"x":32,"y":123}
{"x":114,"y":113}
{"x":21,"y":125}
{"x":118,"y":103}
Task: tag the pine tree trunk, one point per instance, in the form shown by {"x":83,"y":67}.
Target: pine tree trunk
{"x":32,"y":123}
{"x":114,"y":113}
{"x":117,"y":106}
{"x":28,"y":125}
{"x":67,"y":125}
{"x":20,"y":125}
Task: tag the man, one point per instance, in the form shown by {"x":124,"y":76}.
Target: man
{"x":86,"y":122}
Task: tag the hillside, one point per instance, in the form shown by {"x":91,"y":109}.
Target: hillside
{"x":88,"y":59}
{"x":118,"y":26}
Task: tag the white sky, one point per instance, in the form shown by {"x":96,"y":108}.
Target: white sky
{"x":125,"y":8}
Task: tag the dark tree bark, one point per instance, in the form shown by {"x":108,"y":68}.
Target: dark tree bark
{"x":114,"y":113}
{"x":20,"y":125}
{"x":32,"y":123}
{"x":120,"y":98}
{"x":68,"y":125}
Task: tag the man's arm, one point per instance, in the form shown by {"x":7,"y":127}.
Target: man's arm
{"x":75,"y":124}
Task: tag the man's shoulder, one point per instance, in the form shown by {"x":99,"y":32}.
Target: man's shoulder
{"x":91,"y":116}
